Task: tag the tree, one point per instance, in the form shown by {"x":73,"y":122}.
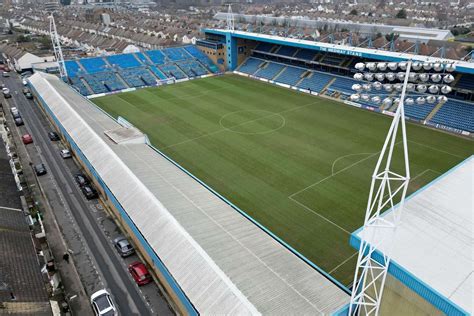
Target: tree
{"x":353,"y":12}
{"x":46,"y":42}
{"x":22,"y":39}
{"x":402,"y":14}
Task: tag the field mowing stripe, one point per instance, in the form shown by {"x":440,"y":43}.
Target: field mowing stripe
{"x":440,"y":150}
{"x":323,"y":217}
{"x":237,"y":125}
{"x":187,"y":97}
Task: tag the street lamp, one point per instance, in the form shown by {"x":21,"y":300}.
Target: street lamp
{"x":389,"y":84}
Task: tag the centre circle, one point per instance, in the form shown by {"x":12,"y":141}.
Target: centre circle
{"x":252,"y":122}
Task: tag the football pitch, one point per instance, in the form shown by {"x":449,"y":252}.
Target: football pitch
{"x":298,"y":164}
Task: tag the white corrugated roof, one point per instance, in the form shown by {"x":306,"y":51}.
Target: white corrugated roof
{"x":223,"y":262}
{"x":434,"y":241}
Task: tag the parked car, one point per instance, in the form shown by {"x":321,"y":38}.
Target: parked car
{"x":25,"y":90}
{"x":139,"y":273}
{"x":53,"y":136}
{"x":27,"y":139}
{"x":16,"y":115}
{"x":19,"y":121}
{"x":102,"y":304}
{"x":65,"y":153}
{"x":123,"y":246}
{"x":40,"y":169}
{"x":81,"y":179}
{"x":28,"y":95}
{"x":89,"y":192}
{"x":6,"y":74}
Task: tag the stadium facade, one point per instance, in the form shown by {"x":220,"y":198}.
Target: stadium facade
{"x":240,"y":267}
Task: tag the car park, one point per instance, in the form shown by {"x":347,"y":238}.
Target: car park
{"x":102,"y":304}
{"x":139,"y":273}
{"x":40,"y":169}
{"x":27,"y":139}
{"x":81,"y":179}
{"x":19,"y":121}
{"x":65,"y":153}
{"x":53,"y":136}
{"x":89,"y":192}
{"x":123,"y":246}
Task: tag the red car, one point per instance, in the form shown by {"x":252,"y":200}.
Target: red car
{"x":139,"y":273}
{"x":27,"y":139}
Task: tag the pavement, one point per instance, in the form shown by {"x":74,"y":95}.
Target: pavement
{"x":88,"y":230}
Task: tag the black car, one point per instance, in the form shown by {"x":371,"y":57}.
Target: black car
{"x":81,"y":179}
{"x":40,"y":169}
{"x":53,"y":136}
{"x":19,"y":121}
{"x":7,"y":95}
{"x":89,"y":192}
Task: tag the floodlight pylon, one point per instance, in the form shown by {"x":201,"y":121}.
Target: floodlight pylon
{"x":387,"y":190}
{"x":58,"y":53}
{"x":230,"y":19}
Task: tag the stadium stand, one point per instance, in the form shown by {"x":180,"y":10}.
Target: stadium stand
{"x":456,"y":114}
{"x":305,"y":54}
{"x":315,"y":81}
{"x":117,"y":72}
{"x":269,"y":70}
{"x":264,"y":47}
{"x":172,"y":71}
{"x":291,"y":75}
{"x":250,"y":66}
{"x":123,"y":61}
{"x":175,"y":53}
{"x":156,"y":56}
{"x":93,"y":65}
{"x":286,"y":51}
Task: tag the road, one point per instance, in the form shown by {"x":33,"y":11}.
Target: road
{"x":100,"y":266}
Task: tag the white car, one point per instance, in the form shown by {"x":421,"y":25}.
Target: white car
{"x":65,"y":153}
{"x":5,"y":90}
{"x":103,"y":304}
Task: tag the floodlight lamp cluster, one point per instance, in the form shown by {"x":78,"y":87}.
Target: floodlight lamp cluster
{"x":383,"y":78}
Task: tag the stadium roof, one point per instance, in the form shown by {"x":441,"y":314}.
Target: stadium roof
{"x":462,"y":66}
{"x":224,"y":263}
{"x":434,"y":242}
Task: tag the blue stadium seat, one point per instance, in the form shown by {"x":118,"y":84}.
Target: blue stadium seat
{"x":171,"y":70}
{"x":77,"y":83}
{"x":264,"y":47}
{"x":195,"y":52}
{"x":291,"y":75}
{"x":466,"y":82}
{"x":192,"y":68}
{"x":156,"y":56}
{"x":102,"y":82}
{"x":343,"y":85}
{"x":72,"y":68}
{"x":158,"y":72}
{"x":419,"y":112}
{"x":286,"y":51}
{"x":457,"y":114}
{"x":138,"y":77}
{"x":316,"y":82}
{"x":270,"y":71}
{"x":123,"y":61}
{"x":176,"y":53}
{"x":93,"y":65}
{"x":250,"y":66}
{"x":305,"y":54}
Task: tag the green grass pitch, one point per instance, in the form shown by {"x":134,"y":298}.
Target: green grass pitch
{"x":298,"y":164}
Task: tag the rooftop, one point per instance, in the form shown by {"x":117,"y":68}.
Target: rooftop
{"x":434,"y":242}
{"x":222,"y":261}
